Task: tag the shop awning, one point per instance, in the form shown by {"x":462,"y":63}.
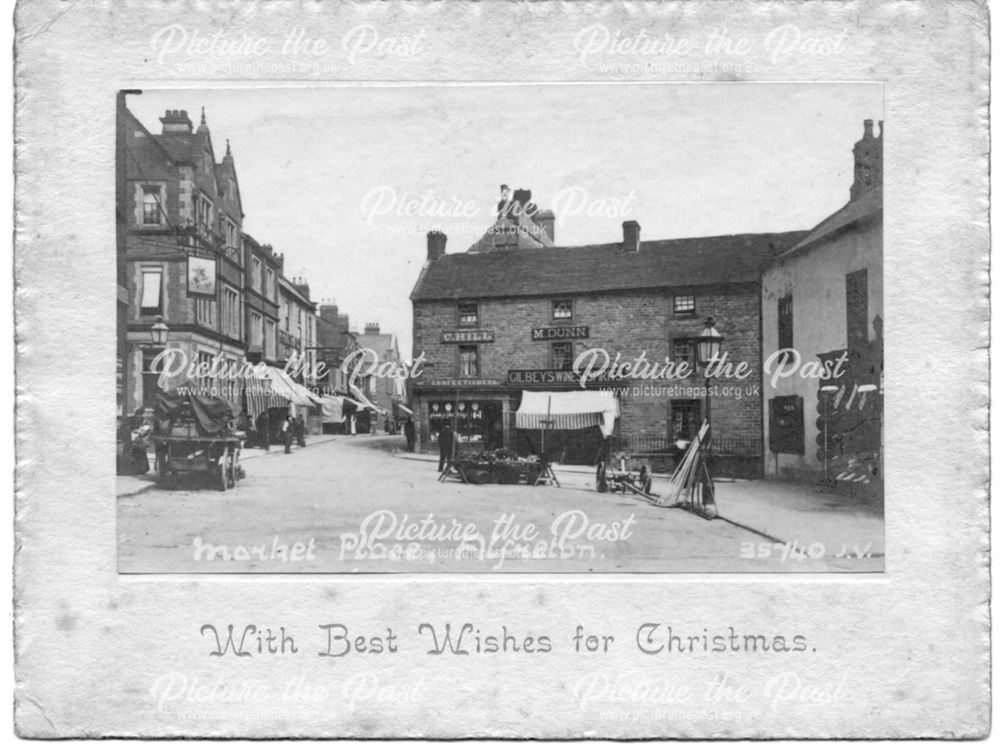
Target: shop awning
{"x":568,"y":410}
{"x":291,"y":390}
{"x":260,"y":396}
{"x":403,"y":408}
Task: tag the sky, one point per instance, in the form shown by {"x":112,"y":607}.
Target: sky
{"x":346,"y":181}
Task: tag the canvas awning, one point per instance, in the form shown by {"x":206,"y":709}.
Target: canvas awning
{"x":260,"y":396}
{"x":291,"y":390}
{"x":568,"y":410}
{"x":403,"y":408}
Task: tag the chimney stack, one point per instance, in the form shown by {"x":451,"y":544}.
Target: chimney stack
{"x":175,"y":121}
{"x":436,"y":241}
{"x":371,"y":328}
{"x":867,"y":162}
{"x":546,"y":219}
{"x":630,"y":235}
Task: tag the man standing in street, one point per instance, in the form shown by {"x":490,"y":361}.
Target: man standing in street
{"x":410,"y":431}
{"x":445,"y":441}
{"x":300,"y":431}
{"x":288,"y":433}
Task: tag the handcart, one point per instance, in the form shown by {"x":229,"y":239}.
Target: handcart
{"x":618,"y":472}
{"x":195,"y":436}
{"x":215,"y":458}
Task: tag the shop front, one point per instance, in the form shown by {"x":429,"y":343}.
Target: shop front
{"x":477,"y":410}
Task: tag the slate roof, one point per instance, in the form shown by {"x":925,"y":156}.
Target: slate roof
{"x":548,"y":271}
{"x":865,"y":207}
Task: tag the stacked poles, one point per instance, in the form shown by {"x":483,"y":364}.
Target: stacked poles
{"x":691,"y":486}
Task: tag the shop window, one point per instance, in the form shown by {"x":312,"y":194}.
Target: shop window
{"x":685,"y":349}
{"x":468,"y":361}
{"x":685,"y":419}
{"x":562,"y":356}
{"x":151,"y":210}
{"x":562,"y":309}
{"x":684,"y":306}
{"x":468,"y":315}
{"x":151,"y":300}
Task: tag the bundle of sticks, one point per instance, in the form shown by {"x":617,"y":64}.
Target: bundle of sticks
{"x":691,"y":486}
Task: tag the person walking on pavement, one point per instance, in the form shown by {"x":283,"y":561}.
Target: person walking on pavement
{"x":300,"y":431}
{"x":264,"y":431}
{"x":410,"y":432}
{"x":445,"y":441}
{"x":288,"y":433}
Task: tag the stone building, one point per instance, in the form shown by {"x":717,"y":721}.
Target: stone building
{"x":181,"y":215}
{"x":385,"y":392}
{"x":492,"y":324}
{"x":264,"y":268}
{"x":822,"y":309}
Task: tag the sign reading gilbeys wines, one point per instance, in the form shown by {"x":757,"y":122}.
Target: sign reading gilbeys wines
{"x":560,"y":333}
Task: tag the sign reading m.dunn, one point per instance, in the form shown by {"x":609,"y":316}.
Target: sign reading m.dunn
{"x":560,"y":333}
{"x":466,"y":336}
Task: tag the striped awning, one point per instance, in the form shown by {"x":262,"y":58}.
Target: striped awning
{"x":260,"y":397}
{"x":567,"y":410}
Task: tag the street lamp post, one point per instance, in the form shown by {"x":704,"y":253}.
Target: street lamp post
{"x":157,"y":339}
{"x":709,"y":349}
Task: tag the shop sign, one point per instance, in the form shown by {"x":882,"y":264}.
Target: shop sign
{"x":466,"y":336}
{"x":551,"y":378}
{"x":459,"y":383}
{"x":560,"y":333}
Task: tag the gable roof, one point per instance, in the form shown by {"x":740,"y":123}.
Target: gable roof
{"x":866,"y":207}
{"x":546,"y":271}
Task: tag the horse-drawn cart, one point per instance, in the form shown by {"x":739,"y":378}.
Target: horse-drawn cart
{"x":193,"y":437}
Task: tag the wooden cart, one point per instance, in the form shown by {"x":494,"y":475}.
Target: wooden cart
{"x":616,"y":473}
{"x":216,"y":458}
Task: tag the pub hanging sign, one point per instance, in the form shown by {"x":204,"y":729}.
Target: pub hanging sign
{"x":466,"y":336}
{"x":560,"y":333}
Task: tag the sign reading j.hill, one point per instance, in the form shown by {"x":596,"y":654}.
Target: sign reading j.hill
{"x":467,"y":336}
{"x":560,"y":333}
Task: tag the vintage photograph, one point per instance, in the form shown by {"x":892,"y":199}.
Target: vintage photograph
{"x":473,"y":328}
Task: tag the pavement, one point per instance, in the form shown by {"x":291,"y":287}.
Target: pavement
{"x":325,"y":494}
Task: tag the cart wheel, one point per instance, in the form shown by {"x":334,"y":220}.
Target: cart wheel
{"x":602,"y":478}
{"x":231,"y":477}
{"x":221,"y":479}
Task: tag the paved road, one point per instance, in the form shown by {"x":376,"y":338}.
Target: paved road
{"x":344,"y":506}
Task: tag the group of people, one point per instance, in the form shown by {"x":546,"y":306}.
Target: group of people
{"x":291,"y":431}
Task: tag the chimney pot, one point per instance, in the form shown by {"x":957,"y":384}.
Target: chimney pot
{"x":436,"y":241}
{"x":630,"y":236}
{"x":868,"y":129}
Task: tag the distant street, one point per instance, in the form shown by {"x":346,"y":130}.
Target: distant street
{"x":353,"y":505}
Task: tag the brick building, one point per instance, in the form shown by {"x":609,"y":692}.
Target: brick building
{"x":492,"y":324}
{"x":821,"y":303}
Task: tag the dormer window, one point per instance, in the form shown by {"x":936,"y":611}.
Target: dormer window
{"x":562,"y":309}
{"x":468,"y":315}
